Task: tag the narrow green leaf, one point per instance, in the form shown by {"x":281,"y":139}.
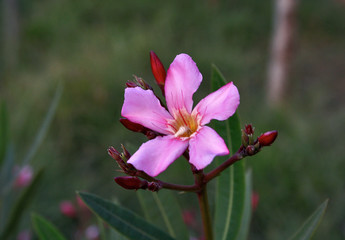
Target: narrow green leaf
{"x":230,"y":188}
{"x":3,"y":132}
{"x":309,"y":226}
{"x":162,"y":209}
{"x":247,"y":212}
{"x":44,"y":127}
{"x":21,"y":204}
{"x":6,"y":198}
{"x":44,"y":229}
{"x":122,"y":219}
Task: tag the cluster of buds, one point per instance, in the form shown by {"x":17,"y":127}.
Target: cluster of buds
{"x":138,"y":82}
{"x":132,"y":181}
{"x":121,"y":160}
{"x":253,"y":146}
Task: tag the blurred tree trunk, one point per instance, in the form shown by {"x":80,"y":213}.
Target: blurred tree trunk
{"x":281,"y":50}
{"x":10,"y":42}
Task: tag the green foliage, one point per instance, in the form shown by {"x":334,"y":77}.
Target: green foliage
{"x":44,"y":126}
{"x":162,"y":209}
{"x":20,"y":205}
{"x":44,"y":229}
{"x":231,"y":184}
{"x":13,"y":206}
{"x":247,"y":212}
{"x":309,"y":226}
{"x":123,"y":220}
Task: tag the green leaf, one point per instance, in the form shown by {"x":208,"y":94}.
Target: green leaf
{"x":6,"y":176}
{"x":122,"y":219}
{"x":309,"y":226}
{"x":162,"y":209}
{"x":247,"y":212}
{"x":230,"y":188}
{"x":3,"y":132}
{"x":21,"y":204}
{"x":44,"y":229}
{"x":44,"y":126}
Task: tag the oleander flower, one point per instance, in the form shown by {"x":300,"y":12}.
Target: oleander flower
{"x":182,"y":126}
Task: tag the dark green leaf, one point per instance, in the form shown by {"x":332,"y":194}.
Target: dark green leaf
{"x":3,"y":132}
{"x":122,"y":219}
{"x":20,"y":205}
{"x":44,"y":229}
{"x":247,"y":213}
{"x":309,"y":226}
{"x":230,"y":189}
{"x":162,"y":209}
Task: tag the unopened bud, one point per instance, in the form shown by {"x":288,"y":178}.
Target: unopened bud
{"x":128,"y":182}
{"x":249,"y":130}
{"x":268,"y":138}
{"x":131,"y":84}
{"x":114,"y":153}
{"x":138,"y":82}
{"x":158,"y":70}
{"x":135,"y":127}
{"x":250,"y":150}
{"x":119,"y":158}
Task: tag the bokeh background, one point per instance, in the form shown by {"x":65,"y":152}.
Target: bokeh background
{"x":94,"y":47}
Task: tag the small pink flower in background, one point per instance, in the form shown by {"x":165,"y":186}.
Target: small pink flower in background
{"x":92,"y":232}
{"x":255,"y":200}
{"x":67,"y":208}
{"x":189,"y":218}
{"x":182,"y":126}
{"x":24,"y":177}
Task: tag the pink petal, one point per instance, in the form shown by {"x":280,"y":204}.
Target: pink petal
{"x":154,"y":156}
{"x":183,"y":79}
{"x":219,"y":105}
{"x":204,"y":146}
{"x":143,"y":107}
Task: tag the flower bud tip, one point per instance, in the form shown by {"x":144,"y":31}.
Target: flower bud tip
{"x":158,"y":70}
{"x":268,"y":138}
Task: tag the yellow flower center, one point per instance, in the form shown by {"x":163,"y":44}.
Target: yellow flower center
{"x":184,"y":123}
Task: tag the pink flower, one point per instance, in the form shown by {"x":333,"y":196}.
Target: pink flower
{"x":24,"y":177}
{"x":182,"y":126}
{"x":67,"y":208}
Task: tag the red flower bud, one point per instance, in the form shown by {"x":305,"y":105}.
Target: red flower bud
{"x":131,"y":125}
{"x":158,"y":70}
{"x":251,"y":150}
{"x":268,"y":138}
{"x":128,"y":182}
{"x":249,"y":130}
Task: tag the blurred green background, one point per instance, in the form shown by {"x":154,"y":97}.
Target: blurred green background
{"x":94,"y":47}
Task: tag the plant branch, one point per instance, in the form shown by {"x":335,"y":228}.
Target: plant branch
{"x":215,"y":172}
